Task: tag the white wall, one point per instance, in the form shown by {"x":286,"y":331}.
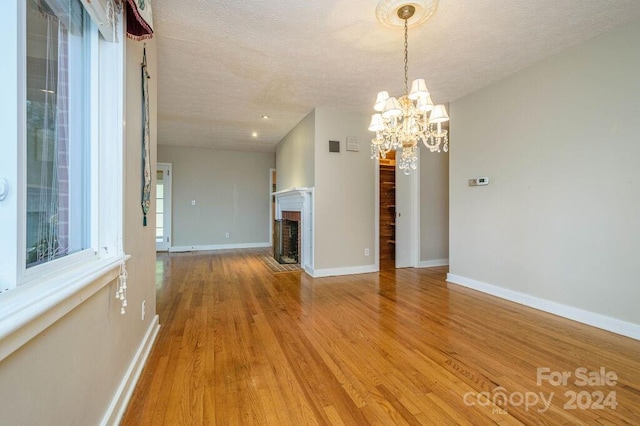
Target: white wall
{"x":295,"y":159}
{"x":70,"y":373}
{"x":434,"y":206}
{"x":232,"y":194}
{"x":561,"y":143}
{"x":344,"y":192}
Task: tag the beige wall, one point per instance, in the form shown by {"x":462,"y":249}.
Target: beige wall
{"x":344,"y":192}
{"x":231,"y":189}
{"x":139,"y":241}
{"x":70,"y":372}
{"x":344,"y":204}
{"x":560,"y":142}
{"x":434,"y":205}
{"x":295,"y":153}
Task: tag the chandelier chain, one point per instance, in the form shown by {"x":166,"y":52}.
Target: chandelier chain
{"x":406,"y":59}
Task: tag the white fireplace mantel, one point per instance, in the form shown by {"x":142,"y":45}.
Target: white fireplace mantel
{"x":299,"y":200}
{"x":291,"y":200}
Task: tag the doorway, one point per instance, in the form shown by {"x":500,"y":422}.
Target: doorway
{"x":387,"y":215}
{"x":163,"y":207}
{"x":398,"y":215}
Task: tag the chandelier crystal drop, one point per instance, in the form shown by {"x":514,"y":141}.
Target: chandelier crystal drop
{"x":400,"y":123}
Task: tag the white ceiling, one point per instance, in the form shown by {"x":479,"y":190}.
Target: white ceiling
{"x":222,"y":64}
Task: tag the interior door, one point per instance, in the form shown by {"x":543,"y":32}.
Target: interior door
{"x":407,"y":227}
{"x":163,"y":207}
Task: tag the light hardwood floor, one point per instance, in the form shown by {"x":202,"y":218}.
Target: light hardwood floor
{"x":242,"y":345}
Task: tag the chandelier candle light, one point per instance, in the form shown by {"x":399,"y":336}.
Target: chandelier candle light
{"x":400,"y":123}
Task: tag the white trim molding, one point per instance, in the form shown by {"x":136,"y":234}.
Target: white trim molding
{"x":30,"y":309}
{"x":432,"y":263}
{"x":349,"y":270}
{"x":604,"y":322}
{"x":211,"y":247}
{"x":376,"y":209}
{"x":271,"y":208}
{"x":121,"y":399}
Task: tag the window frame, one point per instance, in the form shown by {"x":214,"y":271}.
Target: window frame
{"x":31,"y":299}
{"x":26,"y":274}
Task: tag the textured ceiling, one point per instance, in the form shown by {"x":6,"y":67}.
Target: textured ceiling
{"x":223,"y":64}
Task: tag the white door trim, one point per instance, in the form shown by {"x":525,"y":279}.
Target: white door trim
{"x":415,"y":201}
{"x":376,"y":209}
{"x":168,"y":238}
{"x":271,"y":191}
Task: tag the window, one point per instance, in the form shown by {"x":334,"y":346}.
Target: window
{"x":57,"y":130}
{"x":61,"y":166}
{"x":61,"y":115}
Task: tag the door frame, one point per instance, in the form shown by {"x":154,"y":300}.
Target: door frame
{"x":376,"y":209}
{"x":271,"y":204}
{"x":413,"y":207}
{"x":166,"y":208}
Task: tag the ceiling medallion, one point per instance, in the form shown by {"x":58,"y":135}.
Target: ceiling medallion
{"x":399,"y":123}
{"x":386,"y":12}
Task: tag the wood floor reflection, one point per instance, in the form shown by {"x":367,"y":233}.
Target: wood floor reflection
{"x":242,"y":345}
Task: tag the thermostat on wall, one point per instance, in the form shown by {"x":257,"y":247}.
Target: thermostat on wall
{"x":480,"y":181}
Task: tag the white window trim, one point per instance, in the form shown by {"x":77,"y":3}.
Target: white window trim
{"x":39,"y":296}
{"x":12,"y":70}
{"x":31,"y":308}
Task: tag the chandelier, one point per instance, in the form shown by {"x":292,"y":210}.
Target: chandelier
{"x":400,"y":123}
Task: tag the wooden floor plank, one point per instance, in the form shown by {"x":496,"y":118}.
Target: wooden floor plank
{"x":242,"y":345}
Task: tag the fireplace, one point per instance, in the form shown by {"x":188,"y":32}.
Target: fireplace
{"x":293,"y":230}
{"x":286,"y":247}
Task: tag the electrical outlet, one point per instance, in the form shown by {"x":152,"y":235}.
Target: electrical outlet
{"x":226,"y":235}
{"x":481,"y":181}
{"x":144,"y":309}
{"x":193,"y":202}
{"x":366,"y":252}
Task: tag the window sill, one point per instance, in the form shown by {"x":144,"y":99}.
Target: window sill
{"x":28,"y":310}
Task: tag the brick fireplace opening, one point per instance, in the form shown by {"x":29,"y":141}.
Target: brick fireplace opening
{"x":286,"y":247}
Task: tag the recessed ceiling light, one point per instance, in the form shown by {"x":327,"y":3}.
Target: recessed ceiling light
{"x":265,"y":117}
{"x":254,"y":134}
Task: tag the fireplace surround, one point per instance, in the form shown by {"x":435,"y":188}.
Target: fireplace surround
{"x":297,"y":204}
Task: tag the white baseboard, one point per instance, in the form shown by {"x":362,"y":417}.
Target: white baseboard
{"x":309,"y":270}
{"x":604,"y":322}
{"x":433,"y":262}
{"x":180,"y":249}
{"x":127,"y":385}
{"x":350,"y":270}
